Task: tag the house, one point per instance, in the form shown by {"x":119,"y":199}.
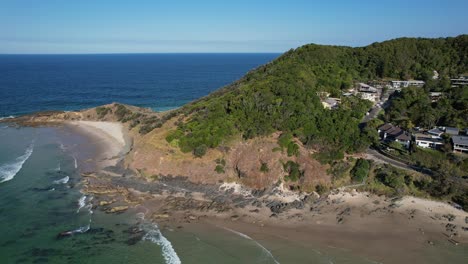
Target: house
{"x":453,"y":131}
{"x":373,"y":97}
{"x":426,"y":141}
{"x":404,"y":84}
{"x":459,"y":81}
{"x":367,"y":88}
{"x":416,"y":83}
{"x":435,"y":96}
{"x":389,"y":132}
{"x":436,"y":132}
{"x":460,"y":144}
{"x":368,"y":92}
{"x":330,"y":103}
{"x":398,"y":84}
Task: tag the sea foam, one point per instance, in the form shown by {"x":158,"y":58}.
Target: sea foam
{"x":266,"y":251}
{"x":9,"y":170}
{"x":154,"y":235}
{"x":64,"y":180}
{"x":7,"y":117}
{"x":81,"y":203}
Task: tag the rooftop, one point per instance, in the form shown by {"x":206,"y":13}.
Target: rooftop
{"x":460,"y":140}
{"x":452,"y":130}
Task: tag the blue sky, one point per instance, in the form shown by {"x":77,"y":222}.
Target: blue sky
{"x":103,"y":26}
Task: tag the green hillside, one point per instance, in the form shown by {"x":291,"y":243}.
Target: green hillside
{"x":282,"y":95}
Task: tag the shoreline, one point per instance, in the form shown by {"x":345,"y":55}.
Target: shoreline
{"x":110,"y":138}
{"x":376,"y":228}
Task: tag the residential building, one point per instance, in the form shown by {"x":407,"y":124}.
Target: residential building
{"x":331,"y":103}
{"x":460,"y":144}
{"x":404,"y":84}
{"x":368,"y":92}
{"x":435,"y":96}
{"x":436,"y":132}
{"x":373,"y":97}
{"x":367,"y":88}
{"x":416,"y":83}
{"x":453,"y":131}
{"x":427,"y":141}
{"x":389,"y":132}
{"x":461,"y":81}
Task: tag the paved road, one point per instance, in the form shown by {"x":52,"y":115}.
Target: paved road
{"x":375,"y":155}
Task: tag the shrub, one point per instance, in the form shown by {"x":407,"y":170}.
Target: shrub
{"x":294,"y":172}
{"x":321,"y":188}
{"x":121,"y":112}
{"x":293,"y":149}
{"x":219,"y":169}
{"x":360,"y":170}
{"x":102,"y":111}
{"x":264,"y":167}
{"x":200,"y":151}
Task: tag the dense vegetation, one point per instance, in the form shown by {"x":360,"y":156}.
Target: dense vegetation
{"x":282,"y":95}
{"x":360,"y":170}
{"x":413,"y":107}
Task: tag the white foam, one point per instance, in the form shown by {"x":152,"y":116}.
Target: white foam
{"x":7,"y":117}
{"x":64,"y":180}
{"x":258,"y":244}
{"x":62,"y":147}
{"x":154,"y":235}
{"x":9,"y":170}
{"x":81,"y":203}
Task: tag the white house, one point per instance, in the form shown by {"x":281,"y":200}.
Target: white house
{"x":404,"y":84}
{"x":426,"y":141}
{"x":460,"y":144}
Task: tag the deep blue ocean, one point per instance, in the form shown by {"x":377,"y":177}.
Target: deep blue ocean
{"x":30,"y":83}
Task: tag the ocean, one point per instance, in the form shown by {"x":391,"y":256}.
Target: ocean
{"x":31,"y":83}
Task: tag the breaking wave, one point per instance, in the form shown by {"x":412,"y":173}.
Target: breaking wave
{"x":7,"y":117}
{"x":266,"y":251}
{"x":9,"y":170}
{"x":81,"y":203}
{"x":154,"y":235}
{"x":64,"y":180}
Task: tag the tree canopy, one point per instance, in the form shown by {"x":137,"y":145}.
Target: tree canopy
{"x":282,"y":95}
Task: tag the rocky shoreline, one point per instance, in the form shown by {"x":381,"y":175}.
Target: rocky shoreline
{"x":173,"y":202}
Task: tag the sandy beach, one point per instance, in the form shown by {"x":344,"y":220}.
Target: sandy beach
{"x":110,"y":138}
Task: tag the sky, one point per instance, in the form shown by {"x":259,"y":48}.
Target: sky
{"x":172,"y":26}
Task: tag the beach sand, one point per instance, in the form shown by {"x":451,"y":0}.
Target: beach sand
{"x":110,"y":138}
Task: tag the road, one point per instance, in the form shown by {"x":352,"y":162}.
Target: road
{"x":376,"y":156}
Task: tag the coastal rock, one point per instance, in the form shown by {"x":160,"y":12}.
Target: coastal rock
{"x":117,"y":209}
{"x":104,"y":203}
{"x":160,"y":216}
